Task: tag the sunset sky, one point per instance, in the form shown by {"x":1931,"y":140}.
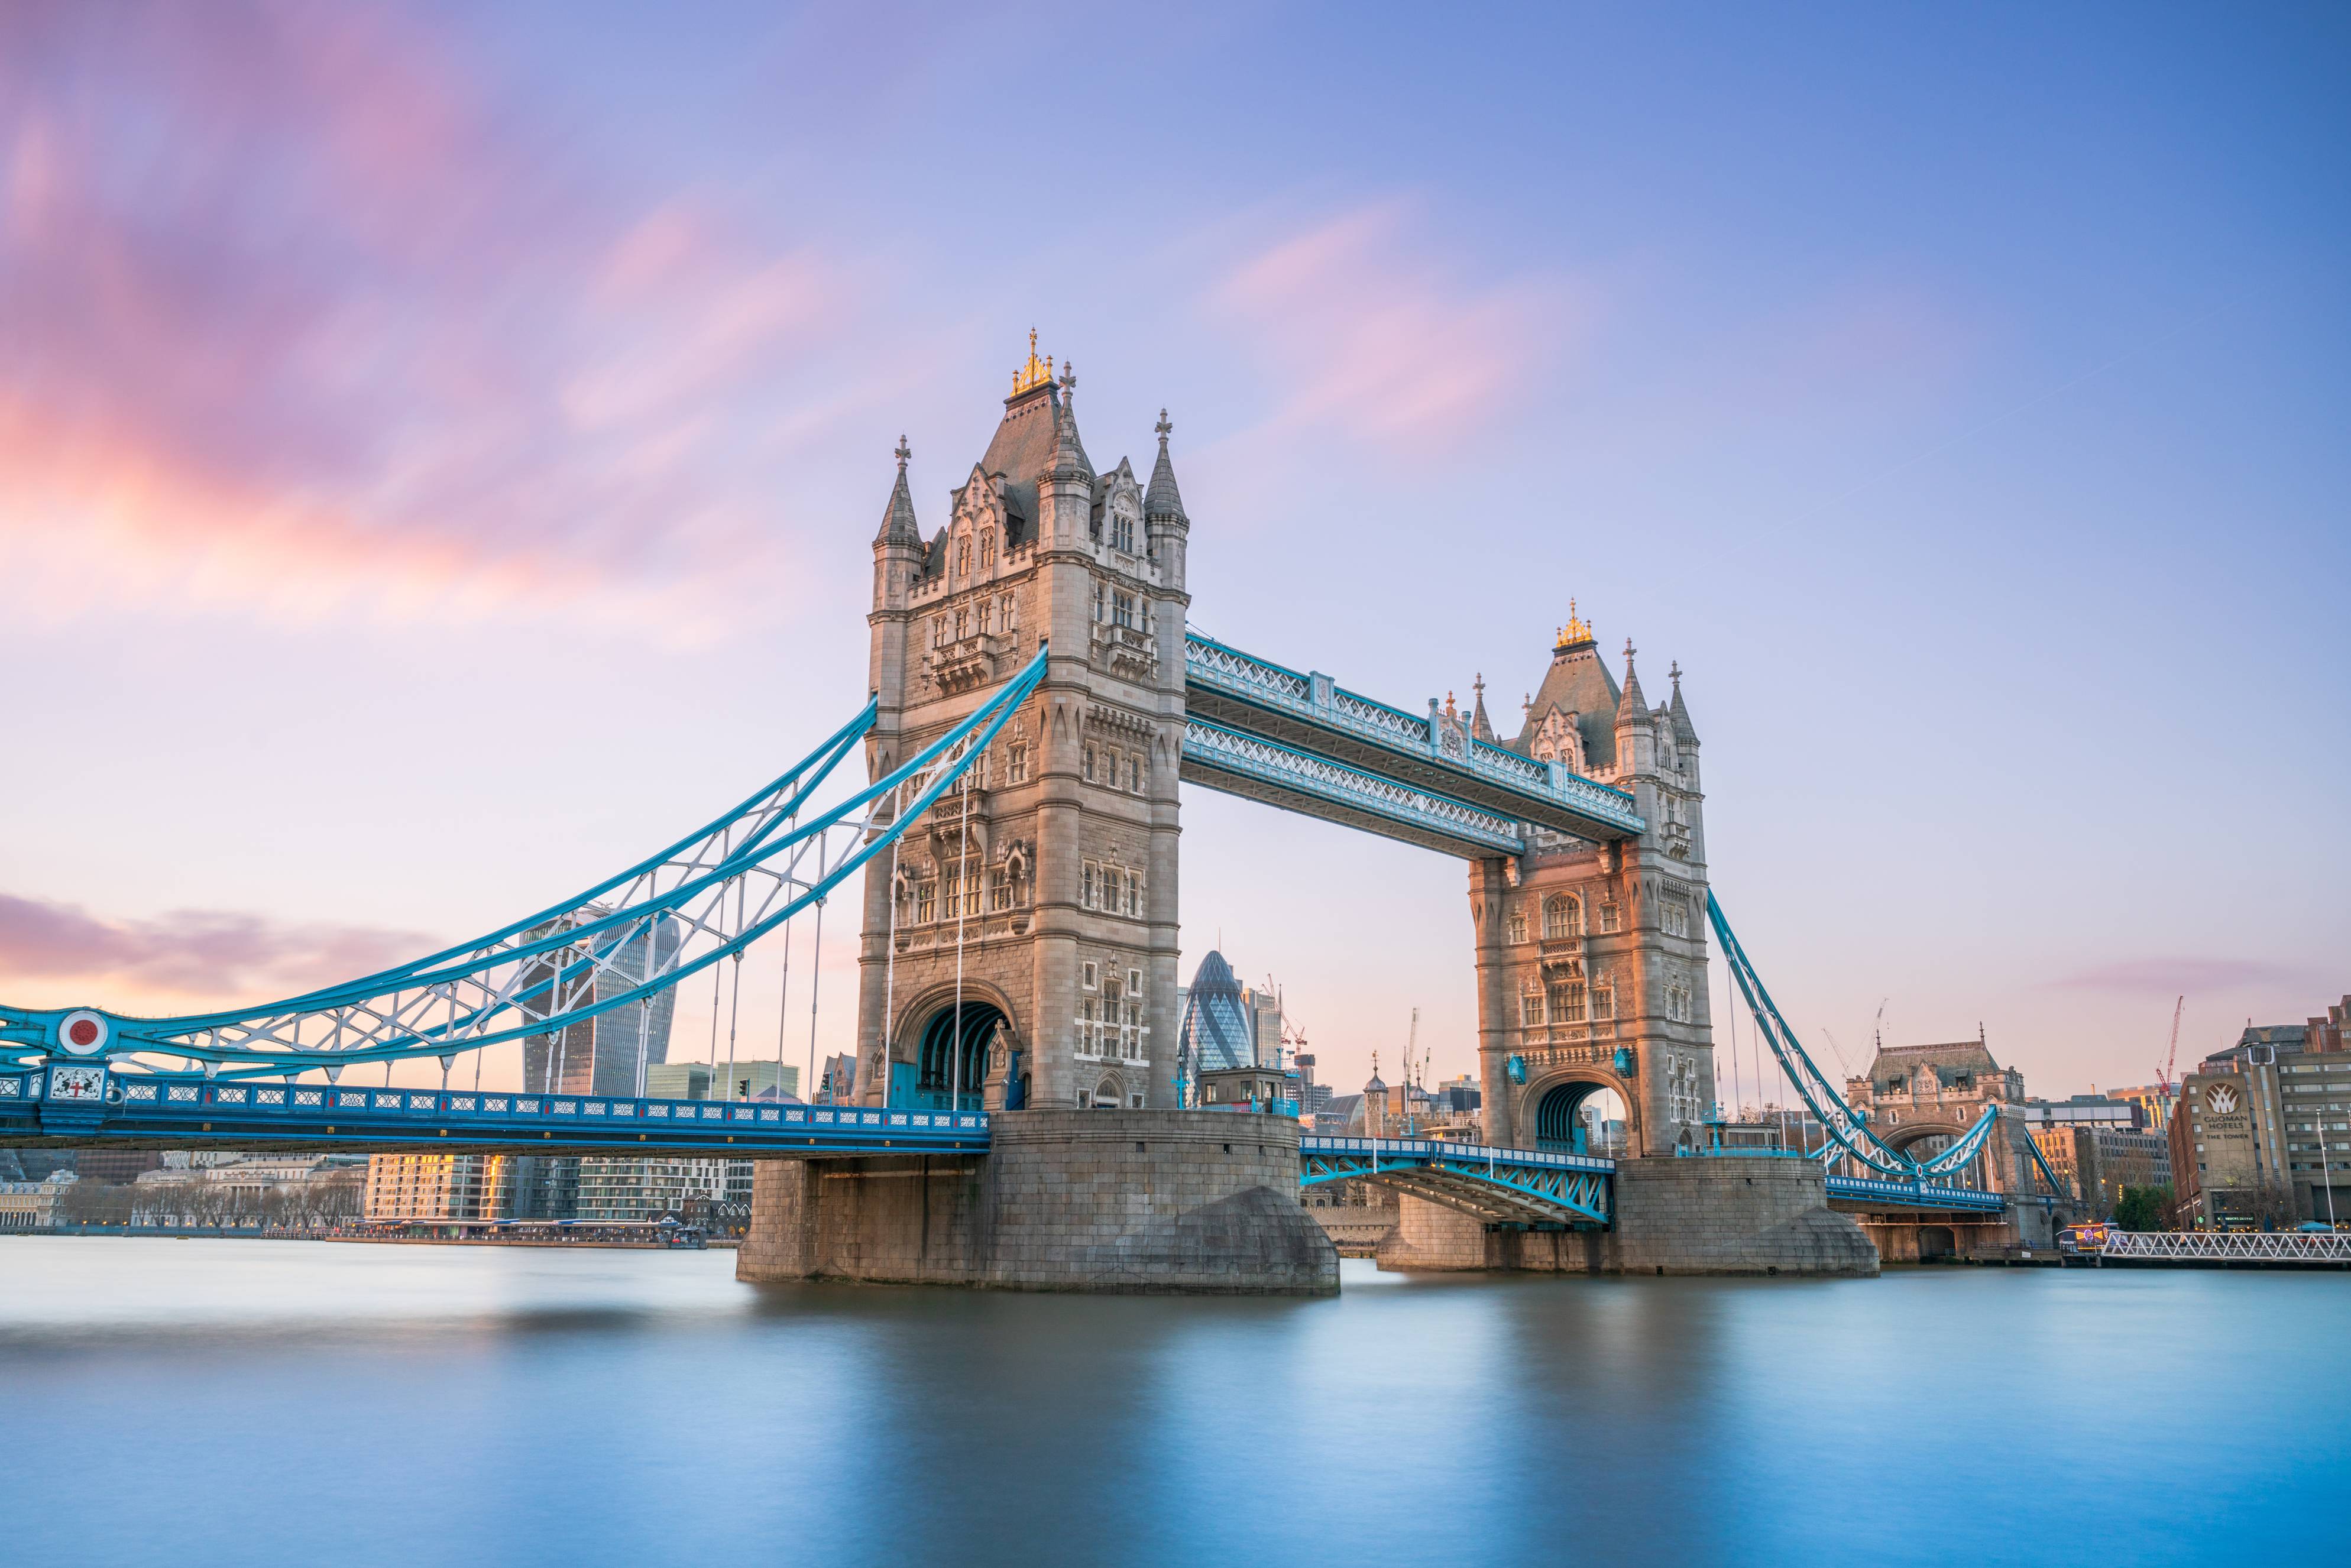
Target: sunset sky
{"x":439,"y":449}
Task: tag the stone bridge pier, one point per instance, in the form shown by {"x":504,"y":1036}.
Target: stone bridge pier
{"x":1725,"y":1214}
{"x":1133,"y":1202}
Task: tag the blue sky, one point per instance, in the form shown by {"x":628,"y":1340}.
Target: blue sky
{"x":438,"y":449}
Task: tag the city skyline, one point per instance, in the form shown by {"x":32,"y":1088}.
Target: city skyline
{"x":381,"y":355}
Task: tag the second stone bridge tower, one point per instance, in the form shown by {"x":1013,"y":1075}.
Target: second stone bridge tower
{"x":1022,"y":951}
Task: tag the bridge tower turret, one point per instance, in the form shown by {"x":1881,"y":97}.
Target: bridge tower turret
{"x":1058,"y":893}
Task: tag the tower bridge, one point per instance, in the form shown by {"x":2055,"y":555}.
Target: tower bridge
{"x":1036,"y":699}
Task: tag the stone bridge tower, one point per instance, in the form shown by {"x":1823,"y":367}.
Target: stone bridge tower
{"x":1054,"y":884}
{"x":1591,"y":957}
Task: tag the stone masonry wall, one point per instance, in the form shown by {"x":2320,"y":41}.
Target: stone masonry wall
{"x":1123,"y":1201}
{"x":1717,"y":1215}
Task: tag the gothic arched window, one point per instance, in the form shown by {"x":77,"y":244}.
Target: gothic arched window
{"x":963,"y":556}
{"x":1530,"y":1005}
{"x":988,"y":549}
{"x":1562,"y":918}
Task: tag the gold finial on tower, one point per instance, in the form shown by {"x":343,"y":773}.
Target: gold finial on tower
{"x":1577,"y":630}
{"x":1032,"y":374}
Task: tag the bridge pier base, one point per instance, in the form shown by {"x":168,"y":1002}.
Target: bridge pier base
{"x":1719,"y":1214}
{"x":1137,"y":1202}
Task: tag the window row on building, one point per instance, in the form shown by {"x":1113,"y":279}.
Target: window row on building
{"x":1115,"y":769}
{"x":1568,"y":1001}
{"x":1111,"y":889}
{"x":1110,"y":1023}
{"x":1116,"y":607}
{"x":983,"y":616}
{"x":1563,"y":917}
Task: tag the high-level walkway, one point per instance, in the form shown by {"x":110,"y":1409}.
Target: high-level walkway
{"x":1306,"y":744}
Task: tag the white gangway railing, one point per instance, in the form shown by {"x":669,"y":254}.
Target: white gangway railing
{"x":2231,"y":1247}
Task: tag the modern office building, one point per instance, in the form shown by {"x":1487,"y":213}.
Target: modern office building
{"x":1226,"y":1028}
{"x":612,"y":1053}
{"x":440,"y":1187}
{"x":766,"y":1079}
{"x":2262,"y":1134}
{"x":643,"y":1188}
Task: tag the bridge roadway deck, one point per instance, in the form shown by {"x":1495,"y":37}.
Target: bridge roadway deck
{"x":157,"y":1114}
{"x":1864,"y":1192}
{"x":1312,"y":716}
{"x":1536,"y":1188}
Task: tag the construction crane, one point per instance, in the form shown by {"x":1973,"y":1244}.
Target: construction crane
{"x":2171,"y":1056}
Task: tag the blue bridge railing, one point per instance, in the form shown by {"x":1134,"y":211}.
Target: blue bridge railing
{"x":141,"y":1111}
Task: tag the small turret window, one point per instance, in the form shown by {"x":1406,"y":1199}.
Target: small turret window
{"x":1518,"y":925}
{"x":1608,"y":919}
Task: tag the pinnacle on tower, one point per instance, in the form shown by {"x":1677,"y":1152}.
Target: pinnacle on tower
{"x":1576,"y":634}
{"x":1631,"y":707}
{"x":1683,"y":729}
{"x":1070,"y":461}
{"x":1478,"y":724}
{"x":1161,"y":499}
{"x":898,"y":524}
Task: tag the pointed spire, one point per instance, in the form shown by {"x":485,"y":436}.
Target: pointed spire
{"x":1161,"y":499}
{"x":1683,"y":729}
{"x":898,"y":525}
{"x":1631,"y":707}
{"x":1070,"y":460}
{"x":1479,"y":725}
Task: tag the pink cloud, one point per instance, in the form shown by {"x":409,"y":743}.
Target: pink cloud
{"x":50,"y":952}
{"x":1371,"y":333}
{"x":2172,"y":977}
{"x":297,"y":321}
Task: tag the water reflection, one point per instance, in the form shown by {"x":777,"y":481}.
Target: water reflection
{"x":279,"y":1402}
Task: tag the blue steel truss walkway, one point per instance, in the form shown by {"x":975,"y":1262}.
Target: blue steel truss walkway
{"x":1303,"y":720}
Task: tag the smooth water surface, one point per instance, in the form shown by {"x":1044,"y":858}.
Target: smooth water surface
{"x":258,"y":1403}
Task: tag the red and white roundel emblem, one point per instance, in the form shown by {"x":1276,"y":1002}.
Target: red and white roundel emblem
{"x":83,"y":1033}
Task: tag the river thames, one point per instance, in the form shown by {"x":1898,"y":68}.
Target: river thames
{"x":261,"y":1402}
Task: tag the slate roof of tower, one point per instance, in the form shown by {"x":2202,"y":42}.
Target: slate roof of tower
{"x":1020,"y":452}
{"x":1683,"y":729}
{"x":1217,"y":1031}
{"x":1580,"y":684}
{"x":1969,"y":1056}
{"x":898,"y":524}
{"x":1163,"y":499}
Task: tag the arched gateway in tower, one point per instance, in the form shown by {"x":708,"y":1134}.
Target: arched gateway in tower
{"x":1044,"y":896}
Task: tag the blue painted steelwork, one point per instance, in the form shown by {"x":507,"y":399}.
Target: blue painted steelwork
{"x":1511,"y":1187}
{"x":2056,"y":1188}
{"x":1221,"y":680}
{"x":1267,"y":770}
{"x":147,"y":1112}
{"x":1914,"y":1195}
{"x":1848,"y":1129}
{"x":536,"y":976}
